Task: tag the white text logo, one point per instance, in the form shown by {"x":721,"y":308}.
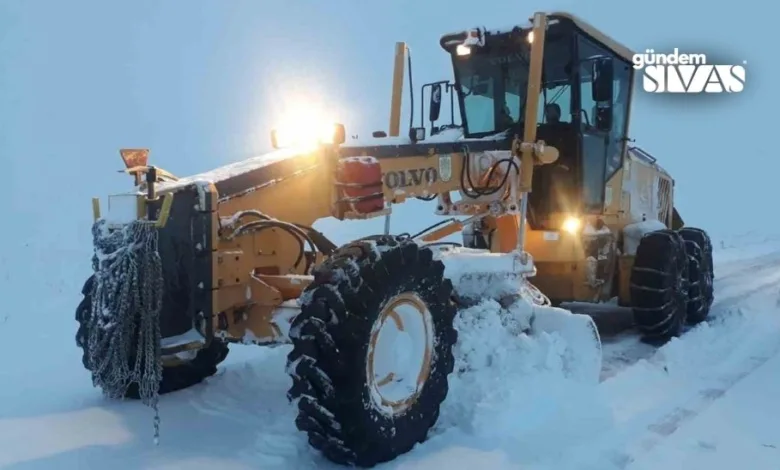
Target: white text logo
{"x":687,"y":73}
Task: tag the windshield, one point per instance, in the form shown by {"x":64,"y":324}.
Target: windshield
{"x":493,"y":83}
{"x":493,"y":90}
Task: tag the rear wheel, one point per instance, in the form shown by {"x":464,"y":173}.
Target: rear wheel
{"x":698,"y":246}
{"x":659,"y":285}
{"x":177,"y":377}
{"x":372,"y":350}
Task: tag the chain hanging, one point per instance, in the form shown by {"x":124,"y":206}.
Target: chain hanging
{"x":126,"y":302}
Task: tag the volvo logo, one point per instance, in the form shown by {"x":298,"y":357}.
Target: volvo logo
{"x":407,"y":178}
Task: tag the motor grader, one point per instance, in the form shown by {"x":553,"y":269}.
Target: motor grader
{"x":538,"y":177}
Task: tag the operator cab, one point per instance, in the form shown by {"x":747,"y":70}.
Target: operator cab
{"x":583,"y":106}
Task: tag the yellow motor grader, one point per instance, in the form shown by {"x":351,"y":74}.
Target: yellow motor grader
{"x":538,"y":177}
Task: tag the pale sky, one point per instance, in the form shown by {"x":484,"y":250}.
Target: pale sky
{"x":202,"y":82}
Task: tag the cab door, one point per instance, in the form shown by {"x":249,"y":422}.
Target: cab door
{"x":595,"y":74}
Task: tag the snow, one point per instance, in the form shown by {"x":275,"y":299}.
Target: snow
{"x":185,"y":338}
{"x":642,"y":189}
{"x":284,"y":314}
{"x":228,"y":171}
{"x":581,"y":357}
{"x":705,"y":400}
{"x":508,"y":384}
{"x":633,"y":233}
{"x":591,"y":230}
{"x":231,"y":170}
{"x":656,"y":400}
{"x":120,"y":209}
{"x":397,"y":359}
{"x":447,"y":135}
{"x":727,"y":430}
{"x":476,"y":273}
{"x":493,"y":30}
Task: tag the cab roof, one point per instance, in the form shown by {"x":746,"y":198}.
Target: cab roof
{"x":616,"y":47}
{"x":590,"y":30}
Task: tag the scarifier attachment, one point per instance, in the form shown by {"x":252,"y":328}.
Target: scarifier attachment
{"x":479,"y":276}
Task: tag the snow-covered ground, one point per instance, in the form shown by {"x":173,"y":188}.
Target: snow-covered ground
{"x":706,"y":400}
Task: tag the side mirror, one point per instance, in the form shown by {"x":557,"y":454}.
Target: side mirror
{"x":602,"y":84}
{"x":435,"y":104}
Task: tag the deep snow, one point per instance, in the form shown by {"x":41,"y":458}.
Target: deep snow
{"x":705,"y":400}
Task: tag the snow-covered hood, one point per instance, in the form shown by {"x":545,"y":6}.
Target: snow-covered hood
{"x":239,"y":176}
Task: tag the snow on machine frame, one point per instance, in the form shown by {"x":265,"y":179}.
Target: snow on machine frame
{"x":230,"y":256}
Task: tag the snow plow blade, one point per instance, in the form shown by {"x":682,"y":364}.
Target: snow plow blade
{"x":503,"y":278}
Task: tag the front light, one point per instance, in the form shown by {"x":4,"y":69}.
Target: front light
{"x":571,"y":225}
{"x":308,"y":134}
{"x":462,"y":50}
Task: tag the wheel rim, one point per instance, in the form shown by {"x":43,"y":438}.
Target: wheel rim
{"x":400,"y":352}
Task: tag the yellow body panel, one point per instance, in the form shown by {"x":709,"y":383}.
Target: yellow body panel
{"x":639,"y":190}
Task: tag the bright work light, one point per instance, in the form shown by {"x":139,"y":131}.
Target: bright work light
{"x":307,"y":129}
{"x":571,"y":225}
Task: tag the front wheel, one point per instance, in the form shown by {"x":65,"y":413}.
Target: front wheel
{"x":372,"y":350}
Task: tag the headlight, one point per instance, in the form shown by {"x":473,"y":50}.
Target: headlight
{"x":571,"y":225}
{"x":474,"y":38}
{"x":308,"y":134}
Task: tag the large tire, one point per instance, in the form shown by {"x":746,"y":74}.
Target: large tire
{"x":698,"y":246}
{"x":174,"y":378}
{"x":333,"y":337}
{"x":659,"y":285}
